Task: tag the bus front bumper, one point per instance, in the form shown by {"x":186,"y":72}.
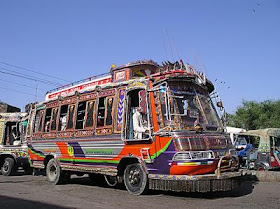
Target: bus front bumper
{"x":196,"y":183}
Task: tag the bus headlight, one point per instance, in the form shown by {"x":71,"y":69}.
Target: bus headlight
{"x":193,"y":155}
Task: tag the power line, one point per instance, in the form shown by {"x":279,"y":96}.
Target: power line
{"x":32,"y":78}
{"x":20,"y":84}
{"x":17,"y":91}
{"x":50,"y":76}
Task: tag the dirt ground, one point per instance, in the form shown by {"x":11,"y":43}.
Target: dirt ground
{"x":26,"y":191}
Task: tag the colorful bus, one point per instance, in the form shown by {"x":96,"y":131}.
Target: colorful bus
{"x":144,"y":125}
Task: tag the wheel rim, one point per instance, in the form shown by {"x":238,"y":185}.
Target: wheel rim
{"x":52,"y":172}
{"x":134,"y":176}
{"x":6,"y":166}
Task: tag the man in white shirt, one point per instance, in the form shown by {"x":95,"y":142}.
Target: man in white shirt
{"x":63,"y":122}
{"x":138,"y":128}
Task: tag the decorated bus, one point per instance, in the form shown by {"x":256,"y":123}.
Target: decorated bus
{"x":146,"y":125}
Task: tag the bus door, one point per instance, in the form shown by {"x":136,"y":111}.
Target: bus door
{"x":137,"y":123}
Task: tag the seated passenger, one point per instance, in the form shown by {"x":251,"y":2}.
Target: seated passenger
{"x":242,"y":155}
{"x":138,"y":127}
{"x":63,"y":122}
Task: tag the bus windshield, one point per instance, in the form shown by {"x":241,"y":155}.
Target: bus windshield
{"x":188,"y":106}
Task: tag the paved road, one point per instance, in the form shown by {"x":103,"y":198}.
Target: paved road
{"x":28,"y":191}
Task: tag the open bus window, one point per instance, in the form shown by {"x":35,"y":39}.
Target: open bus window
{"x":109,"y":110}
{"x":101,"y":112}
{"x":12,"y":134}
{"x":70,"y":122}
{"x":137,"y":119}
{"x":81,"y":112}
{"x":89,"y":115}
{"x":54,"y":118}
{"x":63,"y":118}
{"x":47,"y":120}
{"x":38,"y":121}
{"x":41,"y":121}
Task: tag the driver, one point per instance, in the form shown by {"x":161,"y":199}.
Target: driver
{"x":138,"y":128}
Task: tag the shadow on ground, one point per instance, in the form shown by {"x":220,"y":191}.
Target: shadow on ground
{"x":11,"y":203}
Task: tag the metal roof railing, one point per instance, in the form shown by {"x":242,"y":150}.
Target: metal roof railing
{"x":78,"y":82}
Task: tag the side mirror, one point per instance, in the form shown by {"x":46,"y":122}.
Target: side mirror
{"x":220,"y":105}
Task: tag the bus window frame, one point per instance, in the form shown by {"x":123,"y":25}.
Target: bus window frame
{"x":93,"y":115}
{"x":74,"y":117}
{"x":106,"y":111}
{"x":106,"y":98}
{"x":51,"y":121}
{"x":44,"y":126}
{"x":41,"y":117}
{"x":105,"y":129}
{"x":59,"y":131}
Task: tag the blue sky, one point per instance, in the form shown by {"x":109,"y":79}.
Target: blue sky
{"x":236,"y":42}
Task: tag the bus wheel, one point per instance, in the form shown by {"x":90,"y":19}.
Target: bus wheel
{"x":111,"y":180}
{"x":54,"y":172}
{"x":8,"y":166}
{"x":135,"y":179}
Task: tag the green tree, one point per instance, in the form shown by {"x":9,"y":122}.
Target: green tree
{"x":253,"y":115}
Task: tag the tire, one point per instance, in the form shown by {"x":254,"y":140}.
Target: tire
{"x":261,"y":167}
{"x":54,"y":173}
{"x":8,"y":168}
{"x":135,"y":179}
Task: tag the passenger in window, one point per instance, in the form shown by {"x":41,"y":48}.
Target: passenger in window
{"x":89,"y":122}
{"x":138,"y":127}
{"x":109,"y":112}
{"x":100,"y":119}
{"x":53,"y":126}
{"x":47,"y":126}
{"x":63,"y":122}
{"x":70,"y":120}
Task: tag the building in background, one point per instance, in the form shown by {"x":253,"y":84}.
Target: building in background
{"x":4,"y":107}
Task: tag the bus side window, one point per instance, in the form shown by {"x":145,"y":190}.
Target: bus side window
{"x":70,"y":121}
{"x":36,"y":122}
{"x":109,"y":110}
{"x":89,"y":115}
{"x":81,"y":112}
{"x":101,"y":112}
{"x":54,"y":118}
{"x":63,"y":118}
{"x":47,"y":120}
{"x":41,"y":121}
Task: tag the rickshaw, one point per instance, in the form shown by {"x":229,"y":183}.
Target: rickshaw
{"x":262,"y":151}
